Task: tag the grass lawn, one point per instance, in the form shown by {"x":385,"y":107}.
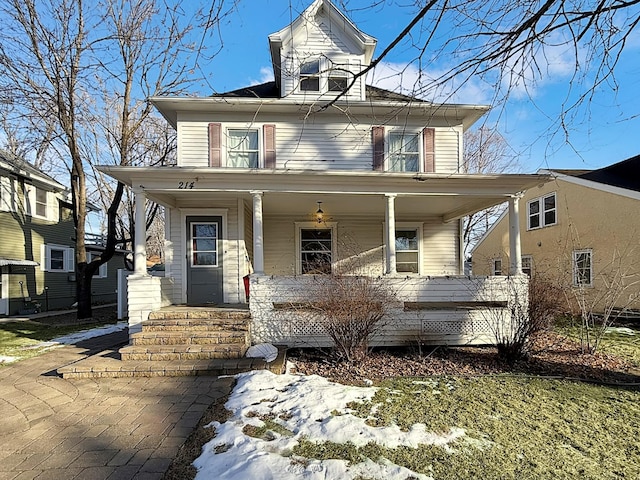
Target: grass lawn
{"x":516,"y":428}
{"x":20,"y":340}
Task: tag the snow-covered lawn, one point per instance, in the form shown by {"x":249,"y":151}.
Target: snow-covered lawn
{"x":271,"y":414}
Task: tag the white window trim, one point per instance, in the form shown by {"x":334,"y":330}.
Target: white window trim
{"x":225,"y":140}
{"x":102,"y":270}
{"x":574,"y":267}
{"x":30,"y":204}
{"x":541,"y":211}
{"x":333,"y":226}
{"x":387,"y":145}
{"x":493,"y":267}
{"x":8,"y":193}
{"x":326,"y":66}
{"x":68,"y":258}
{"x":530,"y":258}
{"x":419,"y":226}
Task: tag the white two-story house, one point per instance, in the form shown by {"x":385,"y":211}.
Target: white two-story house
{"x":312,"y":174}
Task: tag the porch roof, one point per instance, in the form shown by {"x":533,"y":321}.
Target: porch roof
{"x":450,"y":196}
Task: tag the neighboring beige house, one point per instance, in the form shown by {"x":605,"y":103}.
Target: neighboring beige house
{"x":312,"y":174}
{"x":581,"y":228}
{"x":37,"y":258}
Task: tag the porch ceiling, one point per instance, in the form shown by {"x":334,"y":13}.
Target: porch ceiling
{"x":341,"y":193}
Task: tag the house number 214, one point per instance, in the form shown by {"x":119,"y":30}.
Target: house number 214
{"x":186,"y":184}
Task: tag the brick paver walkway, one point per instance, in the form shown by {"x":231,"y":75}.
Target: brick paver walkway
{"x":108,"y":428}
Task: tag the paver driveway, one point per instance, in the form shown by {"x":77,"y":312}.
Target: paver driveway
{"x":108,"y":428}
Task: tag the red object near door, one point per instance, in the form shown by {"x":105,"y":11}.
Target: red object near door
{"x":246,"y":286}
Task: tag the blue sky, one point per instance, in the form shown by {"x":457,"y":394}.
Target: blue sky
{"x":601,"y":134}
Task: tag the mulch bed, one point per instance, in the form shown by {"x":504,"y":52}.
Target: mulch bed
{"x":552,"y":355}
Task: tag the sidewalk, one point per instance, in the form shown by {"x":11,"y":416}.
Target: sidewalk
{"x":121,"y":428}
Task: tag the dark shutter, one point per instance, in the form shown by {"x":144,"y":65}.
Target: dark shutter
{"x":429,"y":143}
{"x":377,"y":134}
{"x":269,"y":132}
{"x":215,"y":130}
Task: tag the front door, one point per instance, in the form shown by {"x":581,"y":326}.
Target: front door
{"x":204,"y":260}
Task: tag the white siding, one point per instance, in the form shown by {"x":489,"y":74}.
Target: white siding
{"x":402,"y":326}
{"x":317,"y":143}
{"x":360,"y":245}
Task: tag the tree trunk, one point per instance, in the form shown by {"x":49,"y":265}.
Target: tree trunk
{"x":83,"y":291}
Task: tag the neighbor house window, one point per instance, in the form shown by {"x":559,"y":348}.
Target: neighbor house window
{"x":541,"y":212}
{"x":57,"y":258}
{"x":316,"y":250}
{"x":242,"y":148}
{"x":404,"y":152}
{"x":407,"y":250}
{"x":41,"y":202}
{"x":582,"y":268}
{"x":7,"y":198}
{"x":497,"y":266}
{"x":527,"y":265}
{"x":102,"y":270}
{"x":310,"y":76}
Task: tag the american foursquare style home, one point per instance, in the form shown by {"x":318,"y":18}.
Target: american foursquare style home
{"x":318,"y":173}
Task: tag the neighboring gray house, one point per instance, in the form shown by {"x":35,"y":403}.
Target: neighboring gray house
{"x":316,"y":173}
{"x":37,"y":258}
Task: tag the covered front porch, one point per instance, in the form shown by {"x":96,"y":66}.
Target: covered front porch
{"x":404,"y":229}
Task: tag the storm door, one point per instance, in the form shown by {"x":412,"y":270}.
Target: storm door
{"x":204,"y":260}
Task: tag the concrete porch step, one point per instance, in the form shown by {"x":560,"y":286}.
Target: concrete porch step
{"x":188,"y":337}
{"x":195,"y":325}
{"x":106,"y":365}
{"x":182,"y":352}
{"x":200,"y":313}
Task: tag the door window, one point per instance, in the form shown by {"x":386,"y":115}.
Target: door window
{"x":204,"y":244}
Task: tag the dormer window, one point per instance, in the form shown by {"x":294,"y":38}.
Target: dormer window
{"x":310,"y":76}
{"x":338,"y":78}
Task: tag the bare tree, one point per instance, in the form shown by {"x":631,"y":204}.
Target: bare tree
{"x":485,"y":151}
{"x":74,"y":62}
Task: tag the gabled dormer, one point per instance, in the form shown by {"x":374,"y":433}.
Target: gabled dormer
{"x":317,"y":56}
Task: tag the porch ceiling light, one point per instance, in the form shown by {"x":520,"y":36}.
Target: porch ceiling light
{"x":319,"y":213}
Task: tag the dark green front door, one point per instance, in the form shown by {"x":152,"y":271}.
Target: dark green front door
{"x":204,"y":260}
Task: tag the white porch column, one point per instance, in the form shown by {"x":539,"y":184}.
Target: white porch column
{"x":515,"y":251}
{"x":391,"y":233}
{"x":140,"y":248}
{"x":258,"y":241}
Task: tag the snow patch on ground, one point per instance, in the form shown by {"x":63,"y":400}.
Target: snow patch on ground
{"x":76,"y":337}
{"x":7,"y":359}
{"x":309,"y":407}
{"x":620,"y":330}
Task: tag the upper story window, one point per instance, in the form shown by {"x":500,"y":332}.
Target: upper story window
{"x":242,"y":148}
{"x":338,"y":78}
{"x":7,"y":194}
{"x":41,"y":202}
{"x":404,"y":152}
{"x":541,"y":212}
{"x":310,"y":76}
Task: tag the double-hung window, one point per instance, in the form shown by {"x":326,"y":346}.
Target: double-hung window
{"x":316,"y":249}
{"x":497,"y":266}
{"x":338,"y":78}
{"x":102,"y":270}
{"x":57,"y":258}
{"x":541,"y":212}
{"x":310,"y":76}
{"x":407,"y":250}
{"x":41,"y":202}
{"x":7,"y":194}
{"x":527,"y":265}
{"x":582,"y":268}
{"x":242,"y":148}
{"x":404,"y":152}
